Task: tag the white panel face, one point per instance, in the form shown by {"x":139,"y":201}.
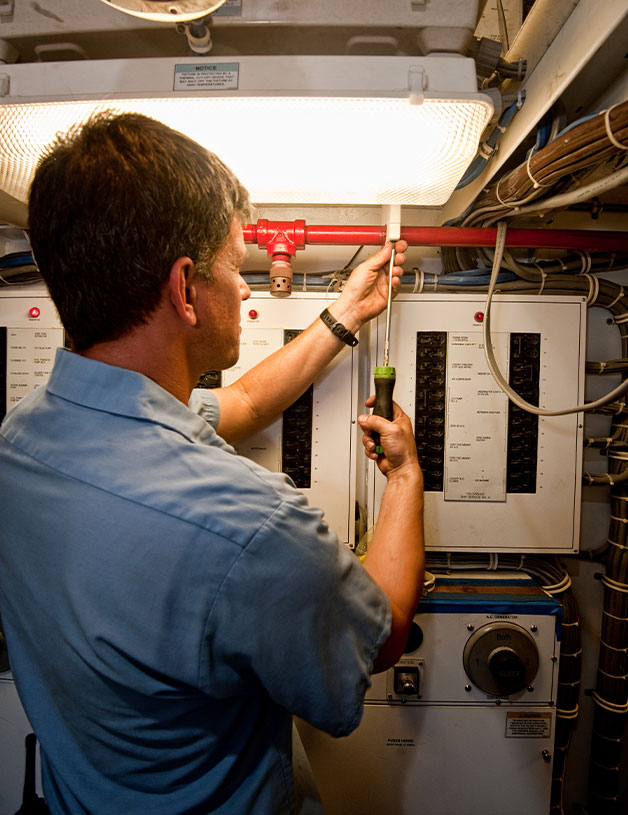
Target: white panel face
{"x":31,"y":334}
{"x":495,"y":481}
{"x":436,"y":760}
{"x":325,"y":438}
{"x":15,"y":728}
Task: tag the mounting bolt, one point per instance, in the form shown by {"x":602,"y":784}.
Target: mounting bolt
{"x":534,"y":628}
{"x":470,"y":627}
{"x":467,"y":688}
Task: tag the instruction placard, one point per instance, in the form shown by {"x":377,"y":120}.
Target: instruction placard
{"x":528,"y":725}
{"x":202,"y":76}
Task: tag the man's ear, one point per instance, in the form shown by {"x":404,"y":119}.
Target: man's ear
{"x":182,"y":291}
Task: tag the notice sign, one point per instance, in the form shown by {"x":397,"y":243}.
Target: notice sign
{"x":528,"y":725}
{"x":202,"y":76}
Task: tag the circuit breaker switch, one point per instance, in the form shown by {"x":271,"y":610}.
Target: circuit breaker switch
{"x":407,"y":680}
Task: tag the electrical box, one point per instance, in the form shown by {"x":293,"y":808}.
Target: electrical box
{"x":314,"y":441}
{"x":30,"y":333}
{"x":464,"y":723}
{"x":497,"y":478}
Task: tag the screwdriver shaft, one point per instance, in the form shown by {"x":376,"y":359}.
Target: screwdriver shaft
{"x":388,"y":307}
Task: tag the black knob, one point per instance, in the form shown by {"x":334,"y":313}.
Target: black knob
{"x":507,"y":670}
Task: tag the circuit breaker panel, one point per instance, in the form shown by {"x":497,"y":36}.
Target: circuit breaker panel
{"x":497,"y":478}
{"x":314,"y":441}
{"x":30,"y":333}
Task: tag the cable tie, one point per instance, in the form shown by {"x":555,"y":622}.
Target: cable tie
{"x":607,"y":738}
{"x":610,"y":706}
{"x":619,"y":546}
{"x":543,"y":279}
{"x":609,"y":132}
{"x":613,"y":676}
{"x":614,"y":616}
{"x":621,"y":521}
{"x":536,"y":184}
{"x":594,"y":288}
{"x":612,"y":647}
{"x":575,"y":623}
{"x":567,"y":714}
{"x":575,"y":654}
{"x":501,"y":129}
{"x":521,"y":70}
{"x":304,"y":286}
{"x":619,"y":296}
{"x":520,"y":99}
{"x":614,"y":585}
{"x":586,"y":267}
{"x":615,"y":768}
{"x":521,"y":560}
{"x":448,"y":561}
{"x":486,"y":151}
{"x":504,"y":203}
{"x":622,"y":318}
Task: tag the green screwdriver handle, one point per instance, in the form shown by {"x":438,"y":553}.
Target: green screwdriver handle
{"x":384,"y":377}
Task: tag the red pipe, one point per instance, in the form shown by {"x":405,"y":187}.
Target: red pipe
{"x":287,"y":237}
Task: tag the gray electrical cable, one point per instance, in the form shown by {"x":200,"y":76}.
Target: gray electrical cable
{"x":492,"y":363}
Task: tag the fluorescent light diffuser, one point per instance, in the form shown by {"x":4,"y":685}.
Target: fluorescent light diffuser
{"x":291,"y":147}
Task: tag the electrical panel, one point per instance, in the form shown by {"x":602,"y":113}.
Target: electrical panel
{"x":314,"y":441}
{"x":497,"y":478}
{"x":30,"y":333}
{"x":472,"y":700}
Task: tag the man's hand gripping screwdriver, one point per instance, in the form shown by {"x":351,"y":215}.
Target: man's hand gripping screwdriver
{"x":385,"y":375}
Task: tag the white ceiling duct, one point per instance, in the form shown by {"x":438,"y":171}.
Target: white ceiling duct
{"x":296,"y":130}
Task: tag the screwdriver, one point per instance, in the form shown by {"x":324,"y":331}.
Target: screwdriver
{"x":385,"y":375}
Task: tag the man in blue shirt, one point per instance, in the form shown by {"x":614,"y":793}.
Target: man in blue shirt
{"x":169,"y":605}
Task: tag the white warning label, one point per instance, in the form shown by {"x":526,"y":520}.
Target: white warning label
{"x":217,"y":76}
{"x":528,"y":725}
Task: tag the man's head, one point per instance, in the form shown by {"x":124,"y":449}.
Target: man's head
{"x":112,"y":206}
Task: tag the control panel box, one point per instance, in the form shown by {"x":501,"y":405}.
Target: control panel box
{"x":497,"y":478}
{"x":314,"y":441}
{"x":475,"y":692}
{"x":30,"y":333}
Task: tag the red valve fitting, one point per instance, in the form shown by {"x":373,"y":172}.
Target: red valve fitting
{"x":281,"y":239}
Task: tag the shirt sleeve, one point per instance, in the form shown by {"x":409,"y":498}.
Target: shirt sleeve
{"x":318,"y":623}
{"x":203,"y":401}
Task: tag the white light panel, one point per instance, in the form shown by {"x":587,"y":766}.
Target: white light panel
{"x":316,"y":153}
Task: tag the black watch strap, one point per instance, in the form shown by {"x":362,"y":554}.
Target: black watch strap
{"x":338,"y":329}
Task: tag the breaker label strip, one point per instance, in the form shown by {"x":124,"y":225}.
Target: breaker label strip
{"x":477,"y":420}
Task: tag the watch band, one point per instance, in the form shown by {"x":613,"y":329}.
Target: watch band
{"x":338,"y":329}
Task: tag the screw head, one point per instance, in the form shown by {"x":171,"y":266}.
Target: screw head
{"x":470,"y":627}
{"x":534,"y":628}
{"x":467,"y":688}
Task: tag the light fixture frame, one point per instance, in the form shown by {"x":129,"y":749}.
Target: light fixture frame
{"x":413,"y":80}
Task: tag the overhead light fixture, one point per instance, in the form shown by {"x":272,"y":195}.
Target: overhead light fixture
{"x":296,"y":130}
{"x":166,"y":11}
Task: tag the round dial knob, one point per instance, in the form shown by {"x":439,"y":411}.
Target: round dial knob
{"x":501,"y":658}
{"x":507,"y":669}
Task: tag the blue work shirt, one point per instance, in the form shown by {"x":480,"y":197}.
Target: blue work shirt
{"x":168,"y":604}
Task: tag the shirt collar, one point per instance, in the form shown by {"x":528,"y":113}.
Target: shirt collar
{"x":100,"y":386}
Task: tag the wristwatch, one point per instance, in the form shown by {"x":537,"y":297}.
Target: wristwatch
{"x":338,"y":329}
